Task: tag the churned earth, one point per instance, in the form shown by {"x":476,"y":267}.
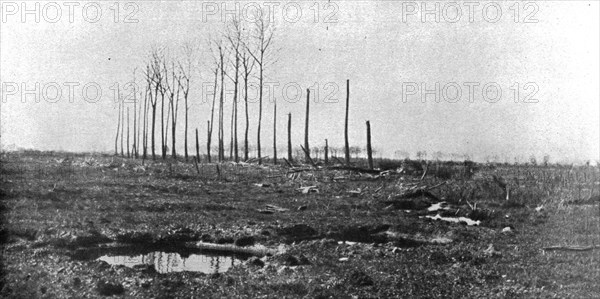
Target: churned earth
{"x":90,"y":226}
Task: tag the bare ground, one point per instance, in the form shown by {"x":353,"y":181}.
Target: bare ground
{"x":55,"y":206}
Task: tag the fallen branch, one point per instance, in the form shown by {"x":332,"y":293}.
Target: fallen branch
{"x":288,"y":163}
{"x":435,"y":186}
{"x":425,"y":171}
{"x":308,"y":156}
{"x":276,"y":208}
{"x":571,"y":248}
{"x":356,"y":169}
{"x":338,"y":160}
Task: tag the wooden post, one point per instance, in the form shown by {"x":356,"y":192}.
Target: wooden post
{"x":197,"y":147}
{"x":289,"y":137}
{"x":369,"y":150}
{"x":306,"y":147}
{"x":347,"y":146}
{"x":326,"y":152}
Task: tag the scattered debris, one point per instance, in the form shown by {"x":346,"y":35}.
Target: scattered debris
{"x":438,"y":206}
{"x":285,"y":270}
{"x":355,"y":192}
{"x":465,"y":220}
{"x":139,"y":169}
{"x":308,"y":189}
{"x":491,"y":251}
{"x":256,"y":250}
{"x":270,"y":209}
{"x":440,"y":240}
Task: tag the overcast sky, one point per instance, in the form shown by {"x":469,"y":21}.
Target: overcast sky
{"x":550,"y":56}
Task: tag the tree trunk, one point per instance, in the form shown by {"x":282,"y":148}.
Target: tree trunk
{"x":346,"y":144}
{"x":162,"y":127}
{"x":235,"y":105}
{"x":134,"y":149}
{"x":145,"y":128}
{"x":122,"y":125}
{"x":221,"y":132}
{"x":185,"y":138}
{"x":260,"y":99}
{"x":326,"y":152}
{"x":208,"y":141}
{"x":369,"y":150}
{"x":275,"y":133}
{"x":247,"y":118}
{"x":197,"y":147}
{"x":128,"y":153}
{"x":118,"y":128}
{"x":231,"y":128}
{"x":212,"y":117}
{"x":289,"y":131}
{"x":174,"y":108}
{"x":306,"y":147}
{"x":173,"y":130}
{"x":153,"y":130}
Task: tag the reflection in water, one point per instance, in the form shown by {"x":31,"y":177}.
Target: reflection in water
{"x":166,"y":262}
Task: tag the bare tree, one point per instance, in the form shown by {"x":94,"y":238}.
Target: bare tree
{"x":122,"y":119}
{"x":128,"y":155}
{"x":346,"y":144}
{"x":184,"y":83}
{"x":173,"y":88}
{"x":369,"y":149}
{"x":154,"y":77}
{"x":235,"y":39}
{"x":217,"y":66}
{"x":306,"y":126}
{"x":134,"y":149}
{"x":147,"y":93}
{"x":118,"y":128}
{"x":197,"y":147}
{"x":263,"y":37}
{"x":139,"y":127}
{"x":326,"y":152}
{"x":221,"y":70}
{"x":274,"y":132}
{"x":248,"y":64}
{"x":289,"y":145}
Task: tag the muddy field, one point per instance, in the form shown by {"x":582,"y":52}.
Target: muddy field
{"x":86,"y":226}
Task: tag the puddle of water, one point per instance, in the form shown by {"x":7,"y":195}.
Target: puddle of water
{"x":167,"y":262}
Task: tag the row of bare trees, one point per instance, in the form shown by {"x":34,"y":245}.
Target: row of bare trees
{"x":241,"y":53}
